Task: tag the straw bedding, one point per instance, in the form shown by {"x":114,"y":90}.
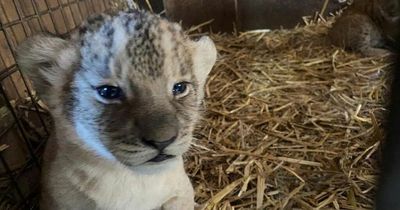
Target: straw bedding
{"x":290,"y":123}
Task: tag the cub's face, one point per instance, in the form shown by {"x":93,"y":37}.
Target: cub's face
{"x":129,"y":85}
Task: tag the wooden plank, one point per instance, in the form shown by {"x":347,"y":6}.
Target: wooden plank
{"x":18,"y":33}
{"x":27,"y":28}
{"x":89,"y":7}
{"x":59,"y":22}
{"x":3,"y":18}
{"x":41,"y":5}
{"x":76,"y":14}
{"x":69,"y":20}
{"x":101,"y":5}
{"x":107,"y":4}
{"x":96,"y":6}
{"x":48,"y":23}
{"x":10,"y":12}
{"x":10,"y":89}
{"x":34,"y":25}
{"x":19,"y":84}
{"x":83,"y":10}
{"x":5,"y":51}
{"x":27,"y":7}
{"x":2,"y":67}
{"x":11,"y":39}
{"x":52,"y":3}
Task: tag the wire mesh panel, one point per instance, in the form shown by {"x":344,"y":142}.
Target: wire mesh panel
{"x":24,"y":120}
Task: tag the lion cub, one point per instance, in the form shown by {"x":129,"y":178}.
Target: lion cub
{"x":368,"y":26}
{"x":125,"y":94}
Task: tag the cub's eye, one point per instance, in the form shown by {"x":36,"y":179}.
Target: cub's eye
{"x":180,"y":88}
{"x":109,"y":92}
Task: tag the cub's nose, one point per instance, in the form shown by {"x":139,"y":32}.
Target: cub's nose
{"x":158,"y":129}
{"x":160,"y":145}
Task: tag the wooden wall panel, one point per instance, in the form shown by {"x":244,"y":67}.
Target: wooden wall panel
{"x":27,"y":7}
{"x":9,"y":11}
{"x":41,"y":5}
{"x":83,"y":9}
{"x":6,"y":54}
{"x":76,"y":13}
{"x":278,"y":13}
{"x":52,"y":3}
{"x":47,"y":23}
{"x":34,"y":25}
{"x":69,"y":20}
{"x":245,"y":14}
{"x":192,"y":12}
{"x":59,"y":21}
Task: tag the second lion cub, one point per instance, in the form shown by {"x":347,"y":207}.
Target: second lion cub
{"x":368,"y":26}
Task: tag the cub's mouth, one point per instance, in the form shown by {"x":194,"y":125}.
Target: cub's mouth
{"x":161,"y":157}
{"x":136,"y":154}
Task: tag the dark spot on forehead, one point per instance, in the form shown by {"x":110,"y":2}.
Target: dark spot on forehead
{"x":82,"y":30}
{"x":128,"y":48}
{"x":143,"y":49}
{"x":138,"y":26}
{"x":145,"y":34}
{"x":108,"y":44}
{"x":110,"y":32}
{"x":186,"y":60}
{"x":86,"y":43}
{"x":127,"y":22}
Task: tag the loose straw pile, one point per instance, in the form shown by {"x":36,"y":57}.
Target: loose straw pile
{"x":290,"y":123}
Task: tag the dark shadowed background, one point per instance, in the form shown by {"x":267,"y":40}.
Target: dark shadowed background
{"x":244,"y":14}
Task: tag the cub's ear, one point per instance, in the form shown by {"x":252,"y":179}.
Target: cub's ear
{"x":47,"y":61}
{"x":204,"y":57}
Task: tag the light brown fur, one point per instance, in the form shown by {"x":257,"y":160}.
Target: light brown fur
{"x":367,"y":26}
{"x":104,"y":152}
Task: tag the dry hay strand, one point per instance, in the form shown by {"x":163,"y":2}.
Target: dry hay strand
{"x":290,"y":123}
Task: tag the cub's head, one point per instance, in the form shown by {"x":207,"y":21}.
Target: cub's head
{"x":130,"y":85}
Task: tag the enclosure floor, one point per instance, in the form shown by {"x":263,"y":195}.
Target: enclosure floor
{"x":290,"y":122}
